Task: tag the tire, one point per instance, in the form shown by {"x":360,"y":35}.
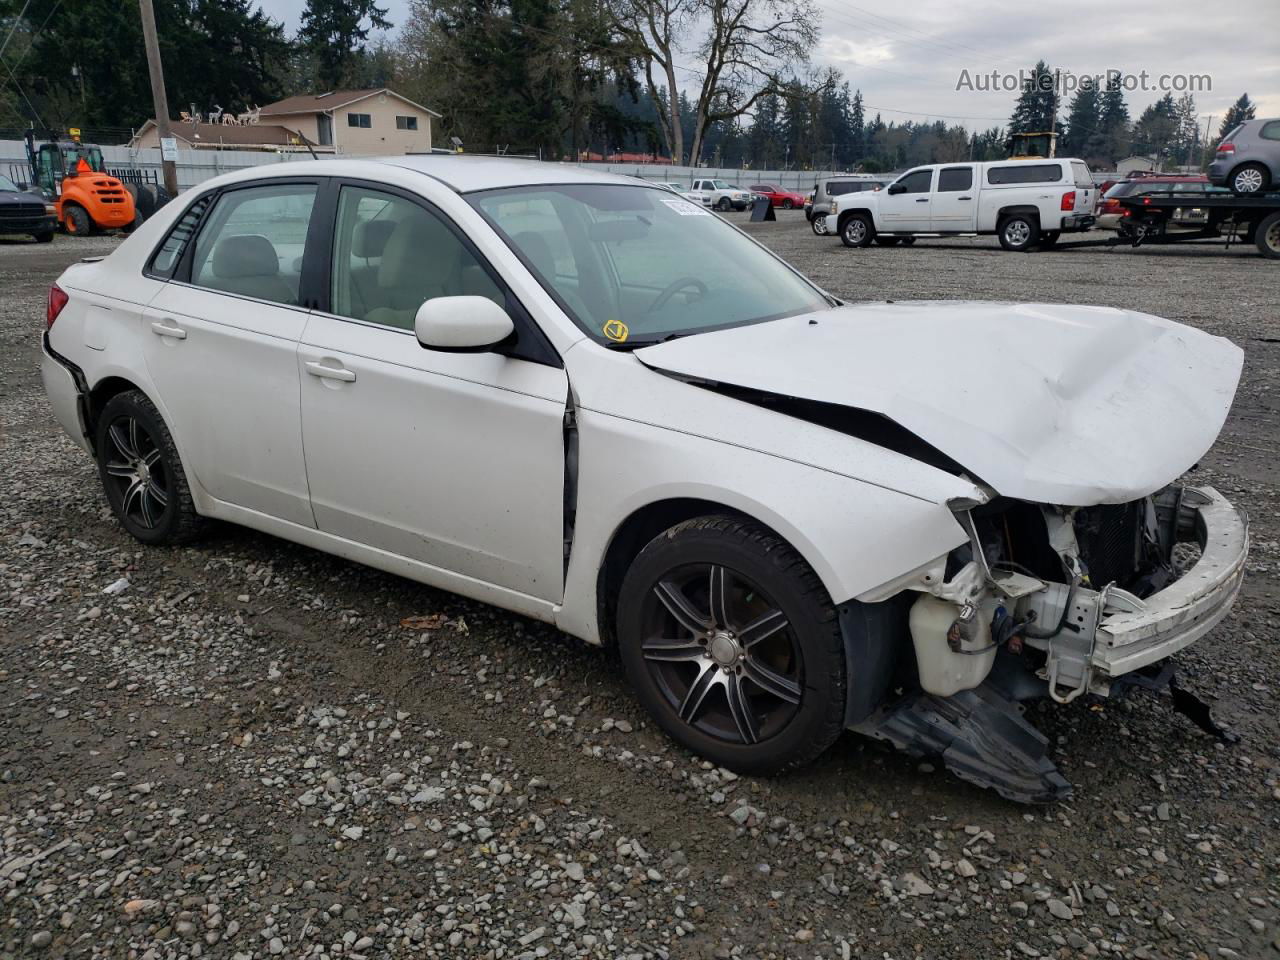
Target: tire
{"x":46,"y":237}
{"x":788,"y":683}
{"x":724,"y":205}
{"x":1267,"y":236}
{"x":137,"y":222}
{"x":76,"y":221}
{"x":788,"y":205}
{"x":888,"y":241}
{"x":1049,"y":238}
{"x":819,"y":226}
{"x":1250,"y":179}
{"x":142,"y":473}
{"x":145,"y":199}
{"x":857,"y":230}
{"x":1019,"y":232}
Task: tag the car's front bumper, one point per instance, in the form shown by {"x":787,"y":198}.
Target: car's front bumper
{"x":44,"y":223}
{"x":1192,"y":605}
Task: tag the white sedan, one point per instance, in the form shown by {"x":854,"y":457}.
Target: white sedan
{"x":583,"y":399}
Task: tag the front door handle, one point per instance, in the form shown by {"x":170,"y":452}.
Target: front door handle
{"x":318,"y":368}
{"x":162,"y":328}
{"x":923,"y":200}
{"x":964,"y":198}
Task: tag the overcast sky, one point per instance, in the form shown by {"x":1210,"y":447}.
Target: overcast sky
{"x":908,"y":58}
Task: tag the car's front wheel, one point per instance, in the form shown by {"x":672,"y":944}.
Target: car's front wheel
{"x":819,"y":225}
{"x":725,"y":205}
{"x":788,"y":204}
{"x":732,"y":644}
{"x":857,"y":230}
{"x":142,"y":473}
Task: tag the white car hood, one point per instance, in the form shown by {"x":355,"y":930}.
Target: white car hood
{"x":1053,"y":404}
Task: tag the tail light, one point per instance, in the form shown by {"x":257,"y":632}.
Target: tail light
{"x":1226,"y":148}
{"x":57,"y":300}
{"x":1068,"y":200}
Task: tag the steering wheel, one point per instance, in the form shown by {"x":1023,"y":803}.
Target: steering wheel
{"x":674,"y":287}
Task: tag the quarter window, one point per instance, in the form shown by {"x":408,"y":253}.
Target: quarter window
{"x":1025,"y":173}
{"x":406,"y":123}
{"x":916,"y":182}
{"x":362,"y":120}
{"x":167,"y":258}
{"x":955,"y":179}
{"x":391,"y":255}
{"x":253,"y":241}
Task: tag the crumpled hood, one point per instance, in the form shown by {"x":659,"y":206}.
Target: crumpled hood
{"x":1052,"y":404}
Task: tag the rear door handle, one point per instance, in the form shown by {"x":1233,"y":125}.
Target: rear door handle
{"x":162,"y":328}
{"x":318,"y":368}
{"x":964,"y":198}
{"x":923,"y":200}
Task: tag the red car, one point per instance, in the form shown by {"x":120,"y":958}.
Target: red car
{"x":1110,"y":211}
{"x":786,"y":199}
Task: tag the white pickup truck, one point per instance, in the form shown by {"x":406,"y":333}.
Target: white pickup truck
{"x":1026,"y":203}
{"x":719,"y":195}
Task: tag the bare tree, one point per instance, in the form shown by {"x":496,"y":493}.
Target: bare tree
{"x":742,"y":49}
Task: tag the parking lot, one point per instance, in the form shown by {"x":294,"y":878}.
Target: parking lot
{"x":242,"y":752}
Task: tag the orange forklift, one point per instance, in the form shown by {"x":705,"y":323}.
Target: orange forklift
{"x":72,"y":176}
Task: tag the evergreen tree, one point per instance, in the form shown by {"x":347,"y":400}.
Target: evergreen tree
{"x":1114,"y":124}
{"x":1157,"y":129}
{"x":1240,"y":111}
{"x":1037,"y":104}
{"x":1083,"y":120}
{"x":857,"y":131}
{"x":334,"y":32}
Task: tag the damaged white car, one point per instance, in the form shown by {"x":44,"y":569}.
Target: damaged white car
{"x":594,"y":403}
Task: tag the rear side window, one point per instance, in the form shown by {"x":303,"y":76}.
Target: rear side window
{"x":954,"y":179}
{"x":1122,"y":189}
{"x":838,"y":188}
{"x":166,"y":259}
{"x":1025,"y":173}
{"x":1270,"y":130}
{"x":252,"y":242}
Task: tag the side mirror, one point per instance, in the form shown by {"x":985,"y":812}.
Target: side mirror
{"x":462,"y":324}
{"x":898,"y":188}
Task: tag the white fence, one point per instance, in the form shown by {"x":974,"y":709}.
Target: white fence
{"x":196,"y":166}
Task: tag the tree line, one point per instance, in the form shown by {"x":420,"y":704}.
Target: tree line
{"x":719,"y":82}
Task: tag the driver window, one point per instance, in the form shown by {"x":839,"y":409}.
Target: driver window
{"x":916,"y":182}
{"x":391,"y":255}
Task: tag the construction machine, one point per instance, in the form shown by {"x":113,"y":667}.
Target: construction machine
{"x":73,"y":177}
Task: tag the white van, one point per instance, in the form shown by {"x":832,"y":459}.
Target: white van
{"x":1026,"y":203}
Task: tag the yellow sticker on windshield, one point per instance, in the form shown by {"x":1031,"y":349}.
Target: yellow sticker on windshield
{"x":616,"y":330}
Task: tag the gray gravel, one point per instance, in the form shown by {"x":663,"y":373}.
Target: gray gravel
{"x":237,"y":751}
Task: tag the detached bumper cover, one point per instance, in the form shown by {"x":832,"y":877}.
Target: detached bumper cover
{"x":64,"y":385}
{"x":1190,"y":607}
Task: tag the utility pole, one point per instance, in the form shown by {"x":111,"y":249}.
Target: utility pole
{"x":161,"y":102}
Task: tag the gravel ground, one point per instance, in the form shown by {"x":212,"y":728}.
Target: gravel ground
{"x":236,"y":750}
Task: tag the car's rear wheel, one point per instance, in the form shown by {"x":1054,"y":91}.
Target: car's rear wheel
{"x":1267,"y":236}
{"x":857,"y":230}
{"x":732,"y":644}
{"x":1019,"y":231}
{"x":142,"y":473}
{"x":819,"y":225}
{"x":1251,"y":178}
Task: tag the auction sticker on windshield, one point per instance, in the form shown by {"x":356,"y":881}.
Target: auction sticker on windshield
{"x":616,"y":330}
{"x":686,"y":208}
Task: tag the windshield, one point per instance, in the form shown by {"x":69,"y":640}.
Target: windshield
{"x":633,"y":265}
{"x":7,"y":184}
{"x":721,"y":185}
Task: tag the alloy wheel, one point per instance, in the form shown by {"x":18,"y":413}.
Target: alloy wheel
{"x":856,"y":230}
{"x":722,"y":654}
{"x":1017,"y":232}
{"x":135,"y":465}
{"x":1248,"y":180}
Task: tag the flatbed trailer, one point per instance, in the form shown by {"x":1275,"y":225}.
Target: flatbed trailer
{"x":1148,"y":217}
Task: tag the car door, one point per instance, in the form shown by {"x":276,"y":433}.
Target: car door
{"x":904,"y":208}
{"x":455,"y":460}
{"x":223,"y":339}
{"x":953,"y":207}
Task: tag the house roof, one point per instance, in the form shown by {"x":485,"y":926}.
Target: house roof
{"x":254,"y":134}
{"x":333,"y":100}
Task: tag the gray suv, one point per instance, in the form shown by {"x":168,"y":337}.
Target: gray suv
{"x":1248,"y":158}
{"x":819,"y":204}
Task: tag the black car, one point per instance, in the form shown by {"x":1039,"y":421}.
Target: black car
{"x":22,"y":212}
